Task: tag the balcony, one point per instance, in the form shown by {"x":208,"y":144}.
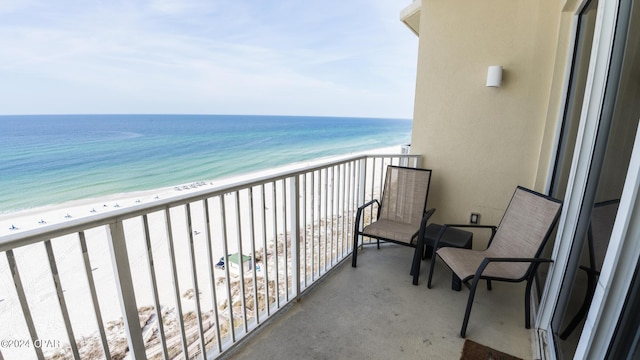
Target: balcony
{"x":141,"y":282}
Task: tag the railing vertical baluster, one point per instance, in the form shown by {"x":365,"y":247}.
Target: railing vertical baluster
{"x":350,"y":202}
{"x":332,"y":216}
{"x":94,"y":295}
{"x":339,"y":209}
{"x":336,"y":209}
{"x":275,"y":241}
{"x":313,"y":225}
{"x":61,"y":301}
{"x":343,"y":198}
{"x":225,"y":251}
{"x":194,"y":277}
{"x":326,"y":215}
{"x":362,"y":182}
{"x":355,"y":194}
{"x":265,"y":261}
{"x":303,"y":227}
{"x":251,"y":237}
{"x":236,"y":200}
{"x":23,"y":301}
{"x":124,"y":286}
{"x":339,"y":214}
{"x":382,"y":176}
{"x":285,"y":248}
{"x":374,"y":169}
{"x":210,"y":264}
{"x":294,"y":190}
{"x":176,"y":285}
{"x":343,"y":212}
{"x":319,"y":220}
{"x":154,"y":287}
{"x":345,"y":205}
{"x":336,"y":212}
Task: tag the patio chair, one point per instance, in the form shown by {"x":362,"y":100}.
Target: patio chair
{"x":513,"y":253}
{"x":401,"y":210}
{"x":600,"y":228}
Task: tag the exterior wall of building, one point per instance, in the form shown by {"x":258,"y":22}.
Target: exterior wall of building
{"x":481,"y":142}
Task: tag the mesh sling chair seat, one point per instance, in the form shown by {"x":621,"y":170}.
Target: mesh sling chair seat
{"x":513,"y":253}
{"x":401,"y":210}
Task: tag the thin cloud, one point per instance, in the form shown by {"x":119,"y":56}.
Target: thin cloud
{"x":254,"y":57}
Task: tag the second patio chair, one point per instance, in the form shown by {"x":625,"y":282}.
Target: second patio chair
{"x":513,"y":253}
{"x":400,"y":210}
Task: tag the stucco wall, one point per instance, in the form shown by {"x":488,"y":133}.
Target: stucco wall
{"x":481,"y":142}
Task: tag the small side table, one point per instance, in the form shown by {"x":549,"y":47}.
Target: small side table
{"x":452,"y":237}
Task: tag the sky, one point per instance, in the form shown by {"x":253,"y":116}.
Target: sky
{"x":259,"y":57}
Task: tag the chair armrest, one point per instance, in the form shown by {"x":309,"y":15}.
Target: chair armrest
{"x":369,"y":203}
{"x":487,"y":261}
{"x":425,"y":217}
{"x":538,"y":260}
{"x":362,"y":207}
{"x":423,"y":223}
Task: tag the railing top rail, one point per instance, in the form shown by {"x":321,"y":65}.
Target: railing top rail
{"x":222,"y":187}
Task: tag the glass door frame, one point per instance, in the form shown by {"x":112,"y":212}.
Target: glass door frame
{"x":623,"y":252}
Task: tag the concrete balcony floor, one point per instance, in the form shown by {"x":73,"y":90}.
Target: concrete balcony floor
{"x":374,"y":312}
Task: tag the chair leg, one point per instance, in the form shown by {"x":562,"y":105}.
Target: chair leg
{"x":527,"y":304}
{"x":417,"y":259}
{"x":354,"y":254}
{"x":467,"y":313}
{"x":431,"y":266}
{"x":489,"y":285}
{"x":434,"y":249}
{"x":378,"y":243}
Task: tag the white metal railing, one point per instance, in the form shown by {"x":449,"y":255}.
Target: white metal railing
{"x":142,"y":281}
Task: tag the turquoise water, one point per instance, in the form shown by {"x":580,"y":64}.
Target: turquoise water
{"x":50,"y":159}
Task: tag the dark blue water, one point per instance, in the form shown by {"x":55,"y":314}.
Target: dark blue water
{"x":56,"y":158}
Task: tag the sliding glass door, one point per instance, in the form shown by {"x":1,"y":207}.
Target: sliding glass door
{"x":598,"y":134}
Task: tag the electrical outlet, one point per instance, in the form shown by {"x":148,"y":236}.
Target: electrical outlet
{"x":475,"y":218}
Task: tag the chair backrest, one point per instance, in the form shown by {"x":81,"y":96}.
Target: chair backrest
{"x":602,"y":218}
{"x":525,"y":227}
{"x":404,"y":197}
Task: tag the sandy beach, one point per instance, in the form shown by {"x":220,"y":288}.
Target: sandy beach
{"x":54,"y":214}
{"x":35,"y":272}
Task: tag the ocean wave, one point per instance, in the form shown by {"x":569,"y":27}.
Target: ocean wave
{"x":115,"y":135}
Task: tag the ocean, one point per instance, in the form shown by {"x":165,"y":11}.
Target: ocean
{"x":51,"y":159}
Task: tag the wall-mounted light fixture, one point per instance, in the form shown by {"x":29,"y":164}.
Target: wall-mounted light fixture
{"x":494,"y":76}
